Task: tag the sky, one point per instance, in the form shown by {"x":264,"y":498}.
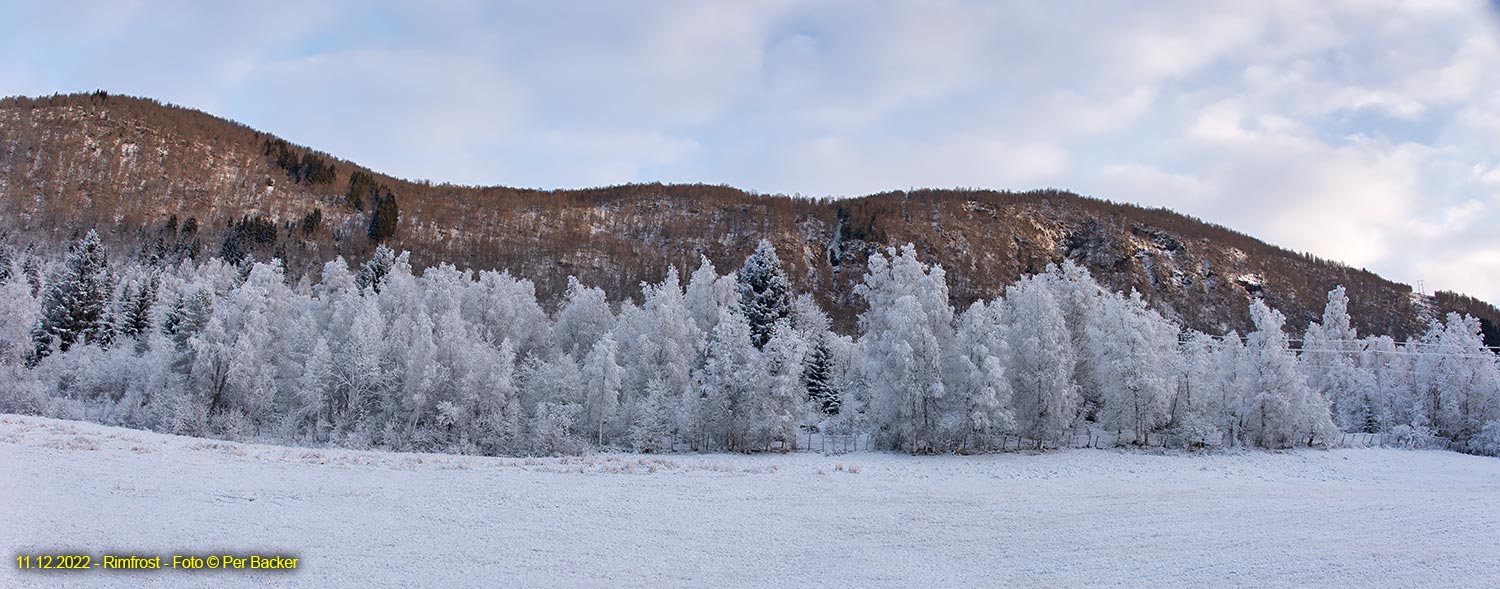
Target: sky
{"x":1361,"y":131}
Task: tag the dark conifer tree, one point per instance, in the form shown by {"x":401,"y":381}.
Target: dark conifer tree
{"x":383,"y":221}
{"x":135,"y":312}
{"x":32,"y":269}
{"x":232,"y":250}
{"x":6,"y":261}
{"x":817,"y":377}
{"x":75,"y":305}
{"x":765,"y":292}
{"x":372,"y":274}
{"x":187,"y":317}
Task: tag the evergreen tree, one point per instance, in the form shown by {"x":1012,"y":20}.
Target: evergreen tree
{"x":372,"y":273}
{"x":813,"y":325}
{"x":135,"y":316}
{"x":383,"y":220}
{"x":187,"y":316}
{"x":765,"y":293}
{"x":817,"y":379}
{"x":76,"y":304}
{"x":7,"y":261}
{"x":31,"y":268}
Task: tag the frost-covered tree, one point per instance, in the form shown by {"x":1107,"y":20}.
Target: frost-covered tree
{"x":903,"y":334}
{"x":1079,"y":296}
{"x":552,"y":392}
{"x":784,"y":404}
{"x":1281,"y":411}
{"x":7,"y":260}
{"x":1390,"y":369}
{"x":980,"y":393}
{"x":765,"y":292}
{"x":707,"y":293}
{"x":1232,"y":385}
{"x":187,"y":315}
{"x":601,"y":375}
{"x":504,"y":308}
{"x":18,"y":313}
{"x":491,"y":403}
{"x":309,"y":415}
{"x":254,"y":315}
{"x":134,"y":315}
{"x":361,"y":378}
{"x":422,"y":379}
{"x":728,"y":384}
{"x":75,"y":306}
{"x":1330,"y":358}
{"x":372,"y":273}
{"x":584,"y":319}
{"x":20,"y":391}
{"x":1041,"y":361}
{"x":818,"y":377}
{"x":1134,"y":355}
{"x":213,"y":352}
{"x":656,"y":340}
{"x":652,"y":430}
{"x":459,"y":361}
{"x":553,"y":427}
{"x":1460,"y":390}
{"x":1197,"y":408}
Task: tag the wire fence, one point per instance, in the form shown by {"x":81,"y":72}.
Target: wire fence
{"x":1390,"y":440}
{"x":831,"y":443}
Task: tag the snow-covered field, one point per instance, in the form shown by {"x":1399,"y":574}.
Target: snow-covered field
{"x":1344,"y":518}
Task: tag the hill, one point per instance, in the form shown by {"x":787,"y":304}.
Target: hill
{"x":163,"y":180}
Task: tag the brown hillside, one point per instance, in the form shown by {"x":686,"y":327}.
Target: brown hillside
{"x":131,"y":166}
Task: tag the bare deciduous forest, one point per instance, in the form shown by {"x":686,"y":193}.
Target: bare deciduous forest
{"x":167,"y":182}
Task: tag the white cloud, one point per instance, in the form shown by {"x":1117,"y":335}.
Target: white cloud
{"x":1362,"y":131}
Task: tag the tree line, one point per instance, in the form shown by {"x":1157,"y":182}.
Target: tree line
{"x":452,"y":360}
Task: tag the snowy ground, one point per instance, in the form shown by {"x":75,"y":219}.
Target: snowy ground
{"x":1344,"y":518}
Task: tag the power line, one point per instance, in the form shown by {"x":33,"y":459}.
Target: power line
{"x":1407,"y":344}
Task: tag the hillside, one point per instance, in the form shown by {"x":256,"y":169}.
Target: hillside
{"x":164,"y":180}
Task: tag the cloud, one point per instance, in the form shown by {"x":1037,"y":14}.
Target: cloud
{"x":1360,"y":131}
